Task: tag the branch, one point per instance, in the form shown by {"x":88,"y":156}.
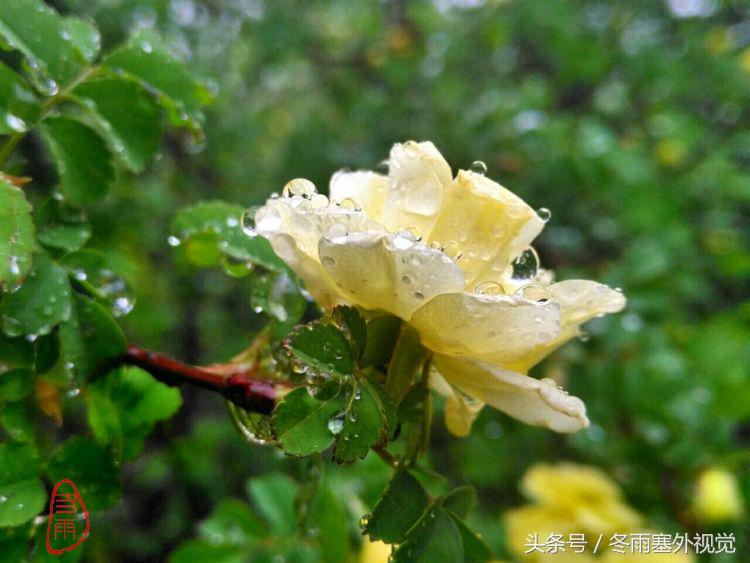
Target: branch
{"x":239,"y":384}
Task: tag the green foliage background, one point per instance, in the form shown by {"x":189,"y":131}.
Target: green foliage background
{"x":629,"y":123}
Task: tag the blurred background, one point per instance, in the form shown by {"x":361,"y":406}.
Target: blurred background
{"x":628,"y":120}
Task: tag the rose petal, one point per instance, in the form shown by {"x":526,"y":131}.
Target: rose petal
{"x":367,"y":189}
{"x":419,"y":175}
{"x":490,"y":224}
{"x":460,"y":410}
{"x":493,"y":328}
{"x":388,"y":272}
{"x":294,"y":228}
{"x":533,"y":401}
{"x":580,"y":301}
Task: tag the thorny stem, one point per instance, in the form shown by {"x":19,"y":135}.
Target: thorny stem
{"x":240,"y":385}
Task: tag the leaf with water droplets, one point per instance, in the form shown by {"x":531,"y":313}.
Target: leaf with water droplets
{"x":91,"y":467}
{"x":90,"y":338}
{"x":40,"y":304}
{"x":55,"y":48}
{"x":353,"y":325}
{"x":22,"y":495}
{"x":402,"y":503}
{"x":146,"y":59}
{"x":217,"y":226}
{"x":83,"y":161}
{"x":300,"y":421}
{"x":19,"y":106}
{"x":16,"y":235}
{"x":59,"y":228}
{"x":434,"y":538}
{"x":125,"y":405}
{"x":363,"y":421}
{"x":323,"y":347}
{"x":125,"y":115}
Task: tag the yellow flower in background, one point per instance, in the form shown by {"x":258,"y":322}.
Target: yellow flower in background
{"x":569,"y":498}
{"x":374,"y":552}
{"x":450,"y":256}
{"x":717,"y":496}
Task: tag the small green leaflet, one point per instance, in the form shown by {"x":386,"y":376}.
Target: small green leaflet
{"x":16,"y":235}
{"x":301,"y":422}
{"x":323,"y":347}
{"x":402,"y":503}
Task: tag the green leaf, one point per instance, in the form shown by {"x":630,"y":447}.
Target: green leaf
{"x":460,"y":500}
{"x":90,"y":269}
{"x":60,"y":228}
{"x":362,"y":423}
{"x":301,"y":422}
{"x":273,"y":495}
{"x":21,"y":490}
{"x":90,"y":338}
{"x":408,"y":356}
{"x":276,"y":294}
{"x":390,"y":414}
{"x":146,"y":59}
{"x":434,"y":538}
{"x":382,"y":334}
{"x":323,"y":347}
{"x":475,"y":550}
{"x":92,"y":467}
{"x":125,"y":405}
{"x":15,"y":353}
{"x":217,"y":227}
{"x":16,"y":384}
{"x":232,"y":523}
{"x":327,"y":521}
{"x":40,"y":304}
{"x":18,"y":421}
{"x":125,"y":115}
{"x":16,"y":236}
{"x":402,"y":503}
{"x":83,"y":161}
{"x":56,"y":49}
{"x":203,"y":551}
{"x":353,"y":325}
{"x":19,"y":106}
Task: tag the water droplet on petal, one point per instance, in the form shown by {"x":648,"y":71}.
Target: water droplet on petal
{"x":478,"y":167}
{"x":267,"y":219}
{"x":403,"y":240}
{"x":489,"y":288}
{"x":348,"y":203}
{"x":452,"y":250}
{"x":383,"y":167}
{"x":299,"y":186}
{"x":534,"y":292}
{"x":544,"y":214}
{"x":525,"y":265}
{"x":319,"y":201}
{"x":337,"y":233}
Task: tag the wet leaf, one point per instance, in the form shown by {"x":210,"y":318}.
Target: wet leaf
{"x":21,"y":491}
{"x":400,"y":506}
{"x":301,"y":422}
{"x":16,"y":236}
{"x":323,"y":347}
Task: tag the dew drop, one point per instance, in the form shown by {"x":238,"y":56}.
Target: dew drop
{"x":534,"y":292}
{"x":407,"y":279}
{"x":337,"y":233}
{"x":403,"y":240}
{"x":478,"y":167}
{"x":452,"y":250}
{"x":319,"y":201}
{"x":383,"y":167}
{"x":328,"y":261}
{"x":267,"y":220}
{"x":171,"y":241}
{"x":348,"y":204}
{"x":489,"y":288}
{"x":583,"y":336}
{"x":300,"y":187}
{"x":544,"y":214}
{"x":336,"y":424}
{"x":15,"y":123}
{"x":525,"y":265}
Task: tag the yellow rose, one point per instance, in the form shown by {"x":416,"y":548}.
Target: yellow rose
{"x":717,"y":496}
{"x":438,"y":252}
{"x":577,"y":499}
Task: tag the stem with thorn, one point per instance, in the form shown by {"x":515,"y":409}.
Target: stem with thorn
{"x":240,"y":385}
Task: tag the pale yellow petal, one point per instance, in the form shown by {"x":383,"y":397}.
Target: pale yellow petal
{"x":579,"y":301}
{"x":388,"y":272}
{"x":522,"y":523}
{"x":366,"y":189}
{"x":567,"y":483}
{"x":490,"y":224}
{"x":533,"y":401}
{"x":489,"y":327}
{"x":460,"y":410}
{"x":718,"y":497}
{"x":294,"y":227}
{"x":419,"y":176}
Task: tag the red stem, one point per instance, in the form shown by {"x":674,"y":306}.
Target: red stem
{"x":240,"y":387}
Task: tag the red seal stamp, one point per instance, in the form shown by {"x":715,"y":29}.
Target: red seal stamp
{"x":68,"y":525}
